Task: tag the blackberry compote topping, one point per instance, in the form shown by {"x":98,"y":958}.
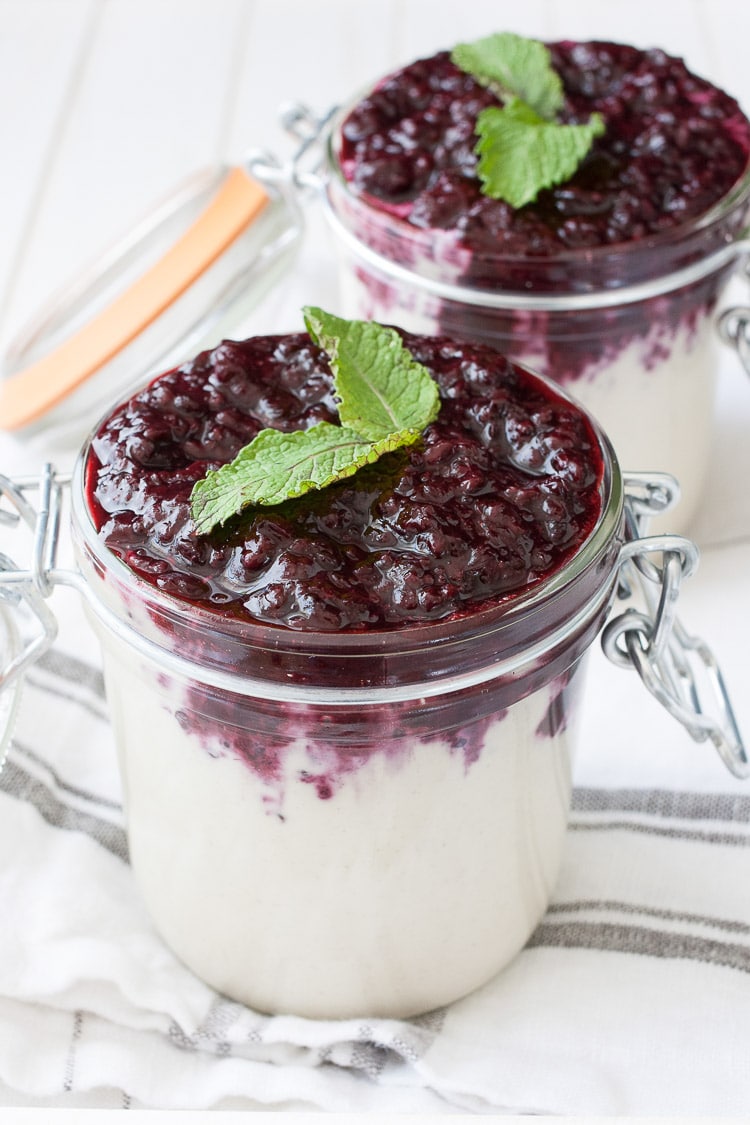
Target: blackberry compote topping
{"x":500,"y":493}
{"x":674,"y":145}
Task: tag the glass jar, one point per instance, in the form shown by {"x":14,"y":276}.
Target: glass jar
{"x":629,"y":329}
{"x":334,"y":824}
{"x":359,"y":824}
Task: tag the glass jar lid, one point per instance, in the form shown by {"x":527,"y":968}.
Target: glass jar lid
{"x":191,"y":269}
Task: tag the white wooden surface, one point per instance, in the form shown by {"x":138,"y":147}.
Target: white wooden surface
{"x":106,"y":104}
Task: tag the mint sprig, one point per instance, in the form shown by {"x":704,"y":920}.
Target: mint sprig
{"x":522,"y":149}
{"x":380,"y":386}
{"x":277,"y":466}
{"x":513,"y":66}
{"x":386,"y":399}
{"x":520,"y":153}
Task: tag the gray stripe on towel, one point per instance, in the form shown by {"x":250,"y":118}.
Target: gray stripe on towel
{"x":664,"y":803}
{"x":614,"y":938}
{"x":70,"y":1061}
{"x":73,"y":669}
{"x":18,"y":783}
{"x":726,"y":839}
{"x":613,"y":907}
{"x":98,"y":708}
{"x":63,"y":786}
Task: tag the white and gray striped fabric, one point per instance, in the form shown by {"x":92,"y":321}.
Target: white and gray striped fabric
{"x":632,"y":997}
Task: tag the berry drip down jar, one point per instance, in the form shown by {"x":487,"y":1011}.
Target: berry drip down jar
{"x":610,"y":282}
{"x":346,"y":722}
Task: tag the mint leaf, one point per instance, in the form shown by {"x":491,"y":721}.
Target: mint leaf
{"x":520,"y":153}
{"x":381,"y":387}
{"x":522,"y":148}
{"x":278,"y":466}
{"x":512,"y":65}
{"x":386,"y":400}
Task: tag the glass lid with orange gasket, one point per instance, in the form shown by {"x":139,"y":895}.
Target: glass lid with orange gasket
{"x":188,"y":272}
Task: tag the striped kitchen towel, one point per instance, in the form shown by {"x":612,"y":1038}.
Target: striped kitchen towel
{"x":631,"y":998}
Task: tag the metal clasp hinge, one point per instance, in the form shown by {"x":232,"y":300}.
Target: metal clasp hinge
{"x":734,"y":323}
{"x":30,"y":588}
{"x":677,"y":668}
{"x":304,"y":171}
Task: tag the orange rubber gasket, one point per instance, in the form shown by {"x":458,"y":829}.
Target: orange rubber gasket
{"x":26,"y":395}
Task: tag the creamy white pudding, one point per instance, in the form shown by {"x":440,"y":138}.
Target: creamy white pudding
{"x":385,"y":886}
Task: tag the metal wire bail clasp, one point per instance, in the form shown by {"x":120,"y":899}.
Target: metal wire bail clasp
{"x":29,"y":588}
{"x":304,"y":171}
{"x":679,"y":669}
{"x":734,"y":323}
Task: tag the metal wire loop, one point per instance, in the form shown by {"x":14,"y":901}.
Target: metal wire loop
{"x":734,"y":327}
{"x":678,"y":669}
{"x":734,"y":324}
{"x":30,"y":587}
{"x":304,"y":170}
{"x":653,"y":625}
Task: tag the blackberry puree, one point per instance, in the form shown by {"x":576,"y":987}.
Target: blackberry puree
{"x":674,"y":145}
{"x":502,"y":490}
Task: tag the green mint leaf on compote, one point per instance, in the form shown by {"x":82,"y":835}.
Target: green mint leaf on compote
{"x":386,"y":401}
{"x":513,"y":66}
{"x":380,"y":386}
{"x":522,"y":148}
{"x":520,"y":153}
{"x":278,"y":466}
